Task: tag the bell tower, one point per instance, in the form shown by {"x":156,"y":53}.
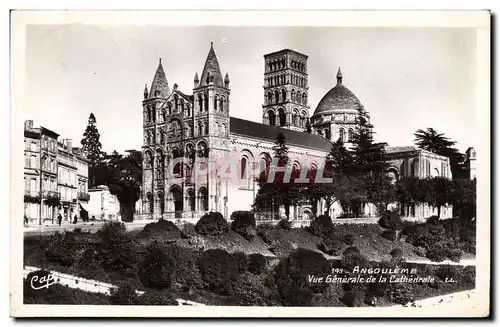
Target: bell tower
{"x":286,"y":90}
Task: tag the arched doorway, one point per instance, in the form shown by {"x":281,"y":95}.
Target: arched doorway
{"x":203,"y":195}
{"x":176,"y":198}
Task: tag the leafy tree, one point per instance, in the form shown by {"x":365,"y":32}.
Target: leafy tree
{"x":90,"y":142}
{"x":438,"y":143}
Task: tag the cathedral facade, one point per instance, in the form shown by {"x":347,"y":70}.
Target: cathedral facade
{"x":197,"y":158}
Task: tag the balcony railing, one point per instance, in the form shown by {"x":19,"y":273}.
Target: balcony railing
{"x":51,"y":195}
{"x":82,"y":196}
{"x":31,"y":196}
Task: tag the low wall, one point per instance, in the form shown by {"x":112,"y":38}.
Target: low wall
{"x":92,"y":286}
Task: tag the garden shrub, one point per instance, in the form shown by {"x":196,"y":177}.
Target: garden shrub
{"x":352,"y":257}
{"x":213,"y":224}
{"x":256,"y":263}
{"x":432,"y":220}
{"x":124,"y":294}
{"x":331,"y":246}
{"x":240,"y":261}
{"x":218,"y":270}
{"x":244,"y":224}
{"x":282,"y":248}
{"x":166,"y":265}
{"x":390,"y":220}
{"x":91,"y":258}
{"x":396,"y":253}
{"x":320,"y":225}
{"x":198,"y":243}
{"x":291,"y":276}
{"x":242,"y":219}
{"x":348,"y":239}
{"x":64,"y":249}
{"x":162,"y":228}
{"x":389,"y":234}
{"x":188,"y":230}
{"x":156,"y":298}
{"x":330,"y":297}
{"x":400,"y":293}
{"x":285,"y":224}
{"x":353,"y":298}
{"x":420,"y":251}
{"x":250,"y":290}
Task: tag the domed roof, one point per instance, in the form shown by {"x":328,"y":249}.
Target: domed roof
{"x":338,"y":98}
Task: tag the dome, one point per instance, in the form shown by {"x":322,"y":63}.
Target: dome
{"x":338,"y":98}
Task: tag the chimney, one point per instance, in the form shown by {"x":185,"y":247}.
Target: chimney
{"x":69,"y":144}
{"x":28,"y":124}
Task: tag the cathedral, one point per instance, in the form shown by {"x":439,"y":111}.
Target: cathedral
{"x":197,"y":158}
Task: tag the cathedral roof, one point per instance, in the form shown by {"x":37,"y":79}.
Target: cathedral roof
{"x":160,"y":84}
{"x":338,"y":98}
{"x":269,"y":133}
{"x":211,"y":70}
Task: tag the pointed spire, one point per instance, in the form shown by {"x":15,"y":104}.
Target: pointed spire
{"x":226,"y":80}
{"x":196,"y":80}
{"x":146,"y":92}
{"x":211,"y":71}
{"x":339,"y":76}
{"x":159,"y":87}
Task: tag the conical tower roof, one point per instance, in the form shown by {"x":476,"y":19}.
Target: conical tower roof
{"x":211,"y":70}
{"x":159,"y":84}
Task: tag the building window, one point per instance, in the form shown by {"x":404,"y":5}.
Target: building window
{"x":327,"y":133}
{"x":272,"y":118}
{"x":341,"y":135}
{"x":350,"y":135}
{"x":282,"y":117}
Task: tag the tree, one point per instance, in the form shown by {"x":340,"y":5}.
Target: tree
{"x":123,"y":176}
{"x":438,"y":143}
{"x":90,"y":143}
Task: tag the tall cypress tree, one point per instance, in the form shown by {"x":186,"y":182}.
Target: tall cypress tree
{"x":90,"y":142}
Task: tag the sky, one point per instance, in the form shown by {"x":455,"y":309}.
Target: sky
{"x":406,"y":78}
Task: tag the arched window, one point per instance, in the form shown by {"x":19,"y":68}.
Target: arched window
{"x":170,"y":108}
{"x":188,"y":111}
{"x":341,"y":135}
{"x":176,"y":103}
{"x":164,"y":115}
{"x":182,"y":105}
{"x":350,"y":135}
{"x":295,"y":118}
{"x":178,"y":166}
{"x":206,"y":103}
{"x":304,"y":98}
{"x":299,"y":97}
{"x":216,"y":100}
{"x":223,"y":130}
{"x":200,"y":102}
{"x":276,"y":96}
{"x":427,"y":168}
{"x":272,"y":118}
{"x":269,"y":98}
{"x":200,"y":129}
{"x":206,"y":128}
{"x":203,"y":194}
{"x":283,"y":95}
{"x":282,"y":116}
{"x":221,"y":104}
{"x":243,"y":168}
{"x":162,"y":137}
{"x":327,"y":133}
{"x":293,"y":95}
{"x":217,"y":130}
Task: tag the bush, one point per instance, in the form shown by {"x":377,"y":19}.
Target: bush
{"x":331,"y":297}
{"x":124,"y":294}
{"x":331,"y":246}
{"x":420,"y":251}
{"x":291,"y":276}
{"x":188,"y":230}
{"x":162,"y":228}
{"x":389,"y":234}
{"x":256,"y":263}
{"x":353,"y":298}
{"x":213,"y":224}
{"x":156,"y":298}
{"x":351,"y":257}
{"x":64,"y":250}
{"x":242,"y":219}
{"x":282,"y":248}
{"x":250,"y":290}
{"x":166,"y":265}
{"x":244,"y":224}
{"x":285,"y":224}
{"x":240,"y":261}
{"x":390,"y":220}
{"x":348,"y":239}
{"x":400,"y":293}
{"x":433,"y":220}
{"x":198,"y":243}
{"x":218,"y":270}
{"x":319,"y":225}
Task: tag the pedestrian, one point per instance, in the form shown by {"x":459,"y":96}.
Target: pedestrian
{"x":75,"y":220}
{"x":59,"y":219}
